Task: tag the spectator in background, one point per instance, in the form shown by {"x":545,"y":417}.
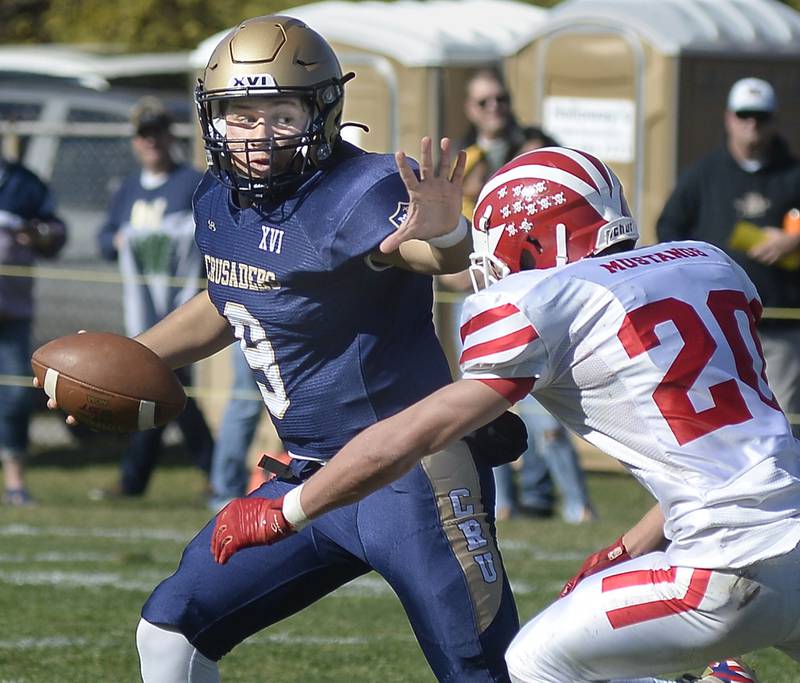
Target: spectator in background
{"x":550,"y":461}
{"x":494,"y":134}
{"x":29,"y":229}
{"x":741,"y":197}
{"x":533,"y":138}
{"x":150,"y":230}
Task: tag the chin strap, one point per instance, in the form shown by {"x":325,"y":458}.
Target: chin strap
{"x":561,"y":245}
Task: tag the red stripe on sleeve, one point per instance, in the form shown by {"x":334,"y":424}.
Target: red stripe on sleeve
{"x":487,"y":317}
{"x":508,"y":341}
{"x":512,"y":390}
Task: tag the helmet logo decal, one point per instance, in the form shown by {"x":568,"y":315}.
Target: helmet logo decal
{"x":253,"y":81}
{"x":399,"y":215}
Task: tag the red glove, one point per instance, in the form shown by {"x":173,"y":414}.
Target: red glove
{"x":248,"y":521}
{"x":616,"y":552}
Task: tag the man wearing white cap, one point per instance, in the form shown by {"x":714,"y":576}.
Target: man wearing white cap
{"x":743,"y":197}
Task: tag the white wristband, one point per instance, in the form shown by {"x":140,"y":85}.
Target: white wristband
{"x":451,"y":238}
{"x":292,"y":510}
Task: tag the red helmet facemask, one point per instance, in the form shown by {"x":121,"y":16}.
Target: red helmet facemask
{"x":544,"y":209}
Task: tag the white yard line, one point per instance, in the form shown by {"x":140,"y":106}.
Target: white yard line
{"x":367,"y":586}
{"x":96,"y":532}
{"x":61,"y":642}
{"x":67,"y":579}
{"x":509,"y":546}
{"x":57,"y":557}
{"x":370,"y":586}
{"x":534,"y":552}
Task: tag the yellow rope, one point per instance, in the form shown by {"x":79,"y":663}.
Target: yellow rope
{"x":194,"y":392}
{"x":95,"y":276}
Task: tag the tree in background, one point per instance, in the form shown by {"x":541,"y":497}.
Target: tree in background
{"x":143,"y":26}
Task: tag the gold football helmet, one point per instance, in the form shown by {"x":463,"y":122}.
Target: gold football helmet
{"x":262,"y":57}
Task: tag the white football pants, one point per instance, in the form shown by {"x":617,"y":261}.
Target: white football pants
{"x":643,"y":617}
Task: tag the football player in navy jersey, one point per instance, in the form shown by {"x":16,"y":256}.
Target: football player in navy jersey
{"x":318,"y":257}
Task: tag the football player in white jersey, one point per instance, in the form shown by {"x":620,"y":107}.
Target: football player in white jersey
{"x":652,"y":355}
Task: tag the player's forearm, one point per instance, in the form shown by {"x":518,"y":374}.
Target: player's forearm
{"x":426,"y":258}
{"x":452,"y":259}
{"x":368,"y":462}
{"x":387,"y":450}
{"x":419,"y":256}
{"x":190,"y":333}
{"x":647,"y":534}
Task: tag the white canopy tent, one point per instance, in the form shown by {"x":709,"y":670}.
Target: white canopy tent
{"x":414,"y":33}
{"x":91,"y":69}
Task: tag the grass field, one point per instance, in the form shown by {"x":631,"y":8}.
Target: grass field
{"x":73,"y":575}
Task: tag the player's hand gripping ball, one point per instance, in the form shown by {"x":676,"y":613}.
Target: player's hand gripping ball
{"x":246,"y":522}
{"x":108,"y":382}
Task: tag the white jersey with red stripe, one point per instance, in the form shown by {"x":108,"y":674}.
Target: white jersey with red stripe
{"x":652,"y":356}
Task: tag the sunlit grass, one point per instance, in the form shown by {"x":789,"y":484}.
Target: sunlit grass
{"x":74,"y":574}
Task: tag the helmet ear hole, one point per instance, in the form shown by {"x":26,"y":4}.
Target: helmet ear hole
{"x":527,"y":257}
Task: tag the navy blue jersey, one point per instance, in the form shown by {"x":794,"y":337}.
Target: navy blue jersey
{"x":23,"y":196}
{"x":335,"y":344}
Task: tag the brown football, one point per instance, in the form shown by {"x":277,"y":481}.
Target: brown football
{"x":108,"y":382}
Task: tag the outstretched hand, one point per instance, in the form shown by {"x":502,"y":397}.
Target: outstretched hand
{"x":434,"y":199}
{"x":246,"y":522}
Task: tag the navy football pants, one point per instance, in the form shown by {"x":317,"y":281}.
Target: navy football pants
{"x":430,"y":535}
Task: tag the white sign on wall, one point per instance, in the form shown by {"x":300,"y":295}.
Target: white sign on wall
{"x":603,"y":127}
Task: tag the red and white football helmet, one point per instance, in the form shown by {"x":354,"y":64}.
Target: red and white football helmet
{"x":544,"y":209}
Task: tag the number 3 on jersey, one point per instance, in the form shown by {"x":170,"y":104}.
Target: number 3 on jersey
{"x":260,"y":357}
{"x":637,"y":335}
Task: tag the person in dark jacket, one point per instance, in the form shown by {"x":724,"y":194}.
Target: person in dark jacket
{"x":29,"y":229}
{"x":744,"y":197}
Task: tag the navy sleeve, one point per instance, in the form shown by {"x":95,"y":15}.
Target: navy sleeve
{"x":376,"y":214}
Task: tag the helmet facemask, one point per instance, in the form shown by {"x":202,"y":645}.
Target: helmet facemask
{"x":485,"y":269}
{"x":263,"y":60}
{"x":291,"y":156}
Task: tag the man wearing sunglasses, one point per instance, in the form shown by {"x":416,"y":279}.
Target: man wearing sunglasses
{"x":740,"y":197}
